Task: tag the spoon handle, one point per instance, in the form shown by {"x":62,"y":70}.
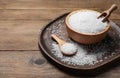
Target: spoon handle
{"x":112,"y":8}
{"x":108,"y":12}
{"x":60,"y":42}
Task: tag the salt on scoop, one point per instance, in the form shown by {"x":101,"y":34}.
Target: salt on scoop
{"x":68,"y":49}
{"x":87,"y":22}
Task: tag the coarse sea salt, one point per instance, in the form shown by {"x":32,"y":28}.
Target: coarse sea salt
{"x":87,"y":22}
{"x":68,"y":49}
{"x":80,"y":58}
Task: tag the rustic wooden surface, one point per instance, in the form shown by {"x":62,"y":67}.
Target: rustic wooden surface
{"x":20,"y":22}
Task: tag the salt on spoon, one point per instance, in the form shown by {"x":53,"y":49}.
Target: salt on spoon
{"x":108,"y":12}
{"x":65,"y":47}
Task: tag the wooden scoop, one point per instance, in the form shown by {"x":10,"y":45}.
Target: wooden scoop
{"x":108,"y":12}
{"x":64,"y":46}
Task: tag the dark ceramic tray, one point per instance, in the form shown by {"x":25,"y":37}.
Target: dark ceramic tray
{"x":110,"y":45}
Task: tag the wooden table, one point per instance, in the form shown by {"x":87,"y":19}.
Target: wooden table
{"x":20,"y":23}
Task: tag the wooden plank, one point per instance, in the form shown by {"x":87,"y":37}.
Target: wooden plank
{"x":20,"y":34}
{"x":40,"y":14}
{"x":26,"y":65}
{"x":52,"y":4}
{"x":17,"y":64}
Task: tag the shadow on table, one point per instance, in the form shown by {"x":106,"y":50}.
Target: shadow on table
{"x":83,"y":73}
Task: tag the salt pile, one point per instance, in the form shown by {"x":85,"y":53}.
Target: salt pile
{"x":68,"y":49}
{"x":80,"y":58}
{"x":87,"y":22}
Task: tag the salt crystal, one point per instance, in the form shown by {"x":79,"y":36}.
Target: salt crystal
{"x":68,"y":49}
{"x":87,"y":22}
{"x":80,"y":58}
{"x":106,"y":57}
{"x":56,"y":51}
{"x":101,"y":60}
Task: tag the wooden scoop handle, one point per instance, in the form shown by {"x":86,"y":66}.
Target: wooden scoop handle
{"x":108,"y":12}
{"x":60,"y":42}
{"x":112,"y":8}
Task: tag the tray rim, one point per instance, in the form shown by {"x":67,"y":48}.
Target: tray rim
{"x":57,"y":61}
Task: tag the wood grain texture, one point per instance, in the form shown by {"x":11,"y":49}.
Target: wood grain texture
{"x":20,"y":34}
{"x":40,"y":14}
{"x":52,"y":4}
{"x":20,"y":23}
{"x":23,"y":65}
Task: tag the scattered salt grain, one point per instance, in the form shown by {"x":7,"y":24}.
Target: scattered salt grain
{"x":87,"y":22}
{"x":80,"y":58}
{"x":68,"y":49}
